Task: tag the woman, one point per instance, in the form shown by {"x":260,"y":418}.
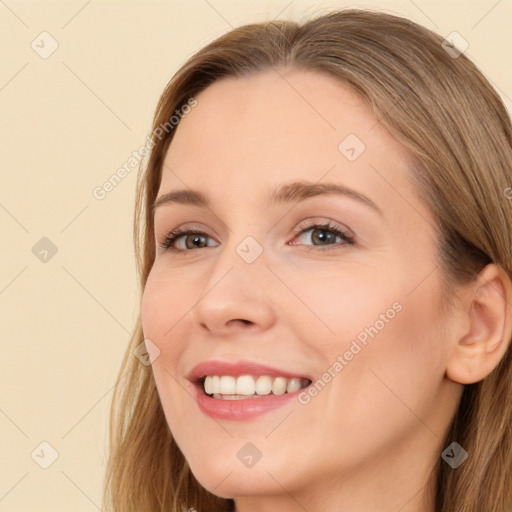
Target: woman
{"x":324,"y":247}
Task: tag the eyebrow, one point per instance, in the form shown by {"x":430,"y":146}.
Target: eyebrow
{"x":297,"y":191}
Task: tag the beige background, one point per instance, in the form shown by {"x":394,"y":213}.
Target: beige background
{"x":67,"y":123}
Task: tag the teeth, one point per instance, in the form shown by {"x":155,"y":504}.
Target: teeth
{"x":208,"y":385}
{"x":293,"y":385}
{"x":245,"y":385}
{"x":228,"y":387}
{"x":279,"y":385}
{"x":264,"y":385}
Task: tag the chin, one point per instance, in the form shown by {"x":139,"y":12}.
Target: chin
{"x":237,"y":484}
{"x":227,"y":477}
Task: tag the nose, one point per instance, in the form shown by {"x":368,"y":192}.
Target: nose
{"x":234,"y":298}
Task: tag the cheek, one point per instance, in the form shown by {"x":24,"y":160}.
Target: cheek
{"x":388,"y":337}
{"x":165,"y":301}
{"x":164,"y":306}
{"x":401,"y":370}
{"x":389,"y":387}
{"x":153,"y":305}
{"x":332,"y":306}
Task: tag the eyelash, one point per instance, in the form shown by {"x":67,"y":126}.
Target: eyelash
{"x":302,"y":228}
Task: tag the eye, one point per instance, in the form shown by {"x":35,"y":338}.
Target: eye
{"x":324,"y":235}
{"x":187,"y":238}
{"x":184,"y":239}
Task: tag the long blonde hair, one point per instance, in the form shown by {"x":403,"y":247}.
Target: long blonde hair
{"x":459,"y":134}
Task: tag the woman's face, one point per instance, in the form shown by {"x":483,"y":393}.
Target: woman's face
{"x":264,"y":295}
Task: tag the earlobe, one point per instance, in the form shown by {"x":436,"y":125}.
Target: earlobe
{"x":486,"y":330}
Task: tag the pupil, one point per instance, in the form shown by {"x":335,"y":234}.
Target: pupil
{"x":326,"y":235}
{"x":196,"y":240}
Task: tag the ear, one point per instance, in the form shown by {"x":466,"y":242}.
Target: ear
{"x":485,"y":331}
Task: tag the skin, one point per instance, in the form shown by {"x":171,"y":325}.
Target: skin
{"x":368,"y":440}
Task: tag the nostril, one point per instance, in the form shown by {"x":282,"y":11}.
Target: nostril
{"x":204,"y":326}
{"x":243,"y":320}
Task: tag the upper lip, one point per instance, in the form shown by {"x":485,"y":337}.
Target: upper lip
{"x":237,"y":368}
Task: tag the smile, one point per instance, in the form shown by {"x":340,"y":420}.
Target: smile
{"x":243,"y":390}
{"x":228,"y":387}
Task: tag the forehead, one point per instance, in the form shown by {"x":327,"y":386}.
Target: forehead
{"x":248,"y":135}
{"x":273,"y":110}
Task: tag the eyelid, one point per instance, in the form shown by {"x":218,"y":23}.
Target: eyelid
{"x":310,"y":222}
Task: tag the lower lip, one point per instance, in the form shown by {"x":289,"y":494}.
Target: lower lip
{"x":240,"y":410}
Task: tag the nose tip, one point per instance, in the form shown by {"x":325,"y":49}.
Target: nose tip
{"x":233,"y":305}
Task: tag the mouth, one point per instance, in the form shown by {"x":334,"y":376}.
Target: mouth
{"x":243,"y":387}
{"x":240,"y":391}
